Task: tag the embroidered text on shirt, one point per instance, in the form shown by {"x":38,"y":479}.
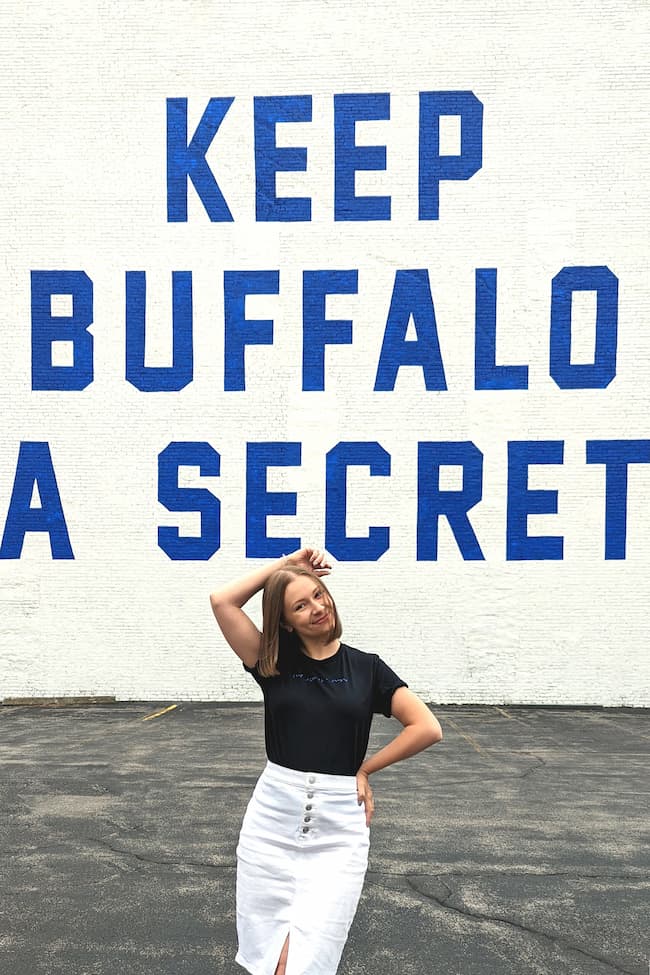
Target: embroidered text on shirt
{"x":321,"y":680}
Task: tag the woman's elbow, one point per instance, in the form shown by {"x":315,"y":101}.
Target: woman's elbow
{"x":217,"y":604}
{"x":216,"y":598}
{"x":433,"y":732}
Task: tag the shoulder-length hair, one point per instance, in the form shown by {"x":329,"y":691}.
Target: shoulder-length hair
{"x":273,"y":615}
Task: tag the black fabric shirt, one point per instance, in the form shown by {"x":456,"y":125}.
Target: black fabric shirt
{"x":317,"y":713}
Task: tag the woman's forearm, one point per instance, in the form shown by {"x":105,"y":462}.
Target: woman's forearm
{"x":239,"y":591}
{"x":412,"y":739}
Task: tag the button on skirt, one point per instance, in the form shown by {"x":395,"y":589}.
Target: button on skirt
{"x":302,"y":857}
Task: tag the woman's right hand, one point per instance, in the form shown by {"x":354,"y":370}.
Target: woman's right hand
{"x":315,"y":560}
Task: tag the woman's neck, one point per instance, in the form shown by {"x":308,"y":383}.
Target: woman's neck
{"x":320,"y":651}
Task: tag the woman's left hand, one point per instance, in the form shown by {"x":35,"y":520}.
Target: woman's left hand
{"x":315,"y":560}
{"x":364,"y":795}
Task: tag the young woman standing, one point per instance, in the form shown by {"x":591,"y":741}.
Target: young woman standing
{"x":303,"y":847}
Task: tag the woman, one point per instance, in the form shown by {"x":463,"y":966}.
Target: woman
{"x":303,"y":848}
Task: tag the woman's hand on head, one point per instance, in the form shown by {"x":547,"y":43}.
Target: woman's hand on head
{"x":315,"y":560}
{"x":364,"y":795}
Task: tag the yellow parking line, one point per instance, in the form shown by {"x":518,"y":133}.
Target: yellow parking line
{"x":512,"y":717}
{"x":158,"y":713}
{"x":475,"y":745}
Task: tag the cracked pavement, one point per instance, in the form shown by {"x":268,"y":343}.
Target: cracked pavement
{"x":517,"y":845}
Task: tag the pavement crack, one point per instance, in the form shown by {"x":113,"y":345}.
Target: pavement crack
{"x":479,"y":916}
{"x":537,"y":758}
{"x":166,"y":862}
{"x":486,"y":874}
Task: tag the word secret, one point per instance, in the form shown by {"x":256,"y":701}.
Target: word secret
{"x":35,"y":469}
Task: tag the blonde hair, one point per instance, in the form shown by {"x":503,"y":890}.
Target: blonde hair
{"x":272,"y":612}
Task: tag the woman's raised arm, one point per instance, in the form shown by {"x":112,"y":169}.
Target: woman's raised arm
{"x":237,"y":627}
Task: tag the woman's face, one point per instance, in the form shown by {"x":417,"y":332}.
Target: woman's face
{"x":307,"y":608}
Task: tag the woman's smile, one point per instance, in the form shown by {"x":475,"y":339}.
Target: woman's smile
{"x":320,"y":619}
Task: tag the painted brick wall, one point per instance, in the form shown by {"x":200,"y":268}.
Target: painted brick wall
{"x":562,"y":184}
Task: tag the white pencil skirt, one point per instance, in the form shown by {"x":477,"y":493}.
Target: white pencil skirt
{"x":301,"y":862}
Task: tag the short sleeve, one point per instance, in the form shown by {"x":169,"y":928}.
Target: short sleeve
{"x":253,"y":671}
{"x":385,"y":683}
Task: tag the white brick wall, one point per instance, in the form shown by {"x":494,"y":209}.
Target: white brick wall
{"x":563,"y":183}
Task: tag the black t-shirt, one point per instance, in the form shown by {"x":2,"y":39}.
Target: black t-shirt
{"x":317,"y":713}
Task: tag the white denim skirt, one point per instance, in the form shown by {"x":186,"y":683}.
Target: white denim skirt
{"x":302,"y":857}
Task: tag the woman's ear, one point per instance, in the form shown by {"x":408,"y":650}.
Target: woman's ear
{"x":285,"y":627}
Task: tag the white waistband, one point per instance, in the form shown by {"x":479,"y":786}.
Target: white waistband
{"x":326,"y":781}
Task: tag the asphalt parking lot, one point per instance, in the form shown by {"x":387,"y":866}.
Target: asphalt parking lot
{"x":518,"y":844}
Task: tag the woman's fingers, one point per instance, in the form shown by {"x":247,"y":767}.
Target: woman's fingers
{"x":364,"y":795}
{"x":324,"y":560}
{"x":320,"y":561}
{"x":315,"y":559}
{"x":369,"y":804}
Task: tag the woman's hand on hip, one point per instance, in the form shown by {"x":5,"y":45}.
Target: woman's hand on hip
{"x":364,"y":795}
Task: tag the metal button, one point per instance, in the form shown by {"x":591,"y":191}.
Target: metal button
{"x":311,"y":779}
{"x":308,"y":808}
{"x":310,"y":795}
{"x":305,"y":829}
{"x":307,"y":819}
